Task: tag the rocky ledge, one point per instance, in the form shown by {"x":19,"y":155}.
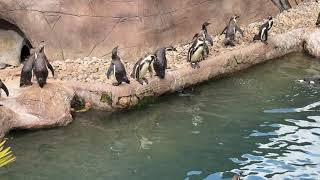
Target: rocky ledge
{"x":33,"y":107}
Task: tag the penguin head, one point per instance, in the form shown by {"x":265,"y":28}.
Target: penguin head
{"x":234,"y":18}
{"x":269,"y":18}
{"x":114,"y":52}
{"x":205,"y":24}
{"x":41,"y":47}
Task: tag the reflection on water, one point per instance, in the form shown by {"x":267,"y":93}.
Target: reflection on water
{"x":260,"y":123}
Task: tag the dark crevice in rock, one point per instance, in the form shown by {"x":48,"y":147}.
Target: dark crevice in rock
{"x":25,"y":53}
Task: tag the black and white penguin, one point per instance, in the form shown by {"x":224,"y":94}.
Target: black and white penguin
{"x":315,"y":80}
{"x":263,"y":31}
{"x":231,"y":30}
{"x":204,"y":33}
{"x":141,"y":68}
{"x":196,"y":52}
{"x":41,"y":66}
{"x":4,"y":87}
{"x":26,"y":72}
{"x":117,"y":69}
{"x":318,"y":20}
{"x":160,"y":63}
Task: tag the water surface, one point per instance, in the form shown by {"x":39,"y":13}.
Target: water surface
{"x":260,"y":123}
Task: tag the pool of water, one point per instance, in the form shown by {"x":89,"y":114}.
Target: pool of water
{"x":261,"y":123}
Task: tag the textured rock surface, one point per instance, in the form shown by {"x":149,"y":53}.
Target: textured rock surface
{"x":312,"y":44}
{"x":33,"y":107}
{"x":10,"y":47}
{"x":80,"y":28}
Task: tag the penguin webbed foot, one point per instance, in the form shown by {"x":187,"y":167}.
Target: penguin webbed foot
{"x":193,"y":65}
{"x":116,"y":83}
{"x":265,"y":42}
{"x":146,"y":80}
{"x":140,"y":81}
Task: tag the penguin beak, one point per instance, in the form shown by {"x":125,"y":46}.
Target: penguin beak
{"x":174,"y":49}
{"x":236,"y":17}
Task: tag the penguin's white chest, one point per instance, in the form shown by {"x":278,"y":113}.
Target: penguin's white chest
{"x":144,"y":69}
{"x":197,"y":55}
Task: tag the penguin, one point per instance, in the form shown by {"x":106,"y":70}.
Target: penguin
{"x":263,"y":31}
{"x":160,"y":62}
{"x":315,"y":80}
{"x":117,"y":69}
{"x":318,"y":20}
{"x":204,"y":33}
{"x":196,"y":52}
{"x":141,"y":68}
{"x":231,"y":30}
{"x":26,"y":72}
{"x":41,"y":66}
{"x":4,"y":88}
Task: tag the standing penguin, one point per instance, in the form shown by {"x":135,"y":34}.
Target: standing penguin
{"x":196,"y":52}
{"x":160,"y":63}
{"x":204,"y":33}
{"x":263,"y":31}
{"x":41,"y":66}
{"x":141,"y":68}
{"x":26,"y":72}
{"x":117,"y":69}
{"x":231,"y":30}
{"x":318,"y":20}
{"x":4,"y":87}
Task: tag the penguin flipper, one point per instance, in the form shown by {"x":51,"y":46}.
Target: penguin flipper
{"x":209,"y":39}
{"x":110,"y":70}
{"x":224,"y":30}
{"x":4,"y":87}
{"x":51,"y":68}
{"x":239,"y":30}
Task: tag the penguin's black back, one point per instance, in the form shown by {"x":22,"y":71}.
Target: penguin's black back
{"x":120,"y":71}
{"x":160,"y":63}
{"x":26,"y":72}
{"x":40,"y":69}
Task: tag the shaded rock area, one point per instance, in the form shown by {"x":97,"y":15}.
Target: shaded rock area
{"x":10,"y":47}
{"x":33,"y":107}
{"x":312,"y":44}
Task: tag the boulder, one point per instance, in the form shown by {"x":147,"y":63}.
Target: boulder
{"x":312,"y":43}
{"x":33,"y":107}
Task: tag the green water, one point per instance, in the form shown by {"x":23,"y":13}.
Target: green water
{"x":246,"y":123}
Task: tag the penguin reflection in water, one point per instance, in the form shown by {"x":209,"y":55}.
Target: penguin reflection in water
{"x":160,"y":62}
{"x":197,"y":52}
{"x":4,"y":88}
{"x":26,"y":72}
{"x":231,"y":31}
{"x":41,"y":66}
{"x":141,"y":68}
{"x":264,"y":31}
{"x":117,"y":69}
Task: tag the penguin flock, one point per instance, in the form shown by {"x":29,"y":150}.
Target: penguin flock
{"x":37,"y":63}
{"x":198,"y":51}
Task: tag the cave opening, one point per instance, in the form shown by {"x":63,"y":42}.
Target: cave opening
{"x":25,"y":53}
{"x":23,"y":46}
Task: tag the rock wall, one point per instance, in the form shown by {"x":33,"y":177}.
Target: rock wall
{"x":79,"y":28}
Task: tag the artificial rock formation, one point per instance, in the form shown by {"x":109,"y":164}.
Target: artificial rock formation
{"x":35,"y":107}
{"x":80,"y":28}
